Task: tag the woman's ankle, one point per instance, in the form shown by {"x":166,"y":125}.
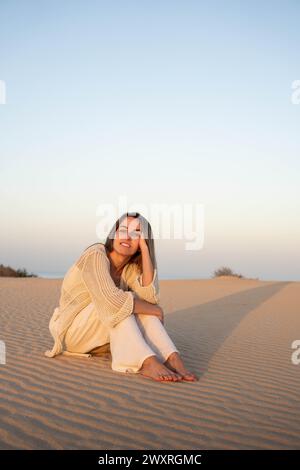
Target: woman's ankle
{"x":148,"y":360}
{"x":172,"y":355}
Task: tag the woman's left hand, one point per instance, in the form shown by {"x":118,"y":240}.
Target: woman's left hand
{"x":142,"y":243}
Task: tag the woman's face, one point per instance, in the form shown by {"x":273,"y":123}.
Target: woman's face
{"x":126,"y":241}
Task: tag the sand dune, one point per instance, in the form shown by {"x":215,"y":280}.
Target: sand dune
{"x":235,"y":334}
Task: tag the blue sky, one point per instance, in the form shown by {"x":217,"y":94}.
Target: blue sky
{"x":164,"y":101}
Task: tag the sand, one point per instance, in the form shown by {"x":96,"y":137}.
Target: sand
{"x":235,"y":334}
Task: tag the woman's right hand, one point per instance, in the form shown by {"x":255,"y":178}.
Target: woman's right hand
{"x":144,"y":307}
{"x":159,"y":313}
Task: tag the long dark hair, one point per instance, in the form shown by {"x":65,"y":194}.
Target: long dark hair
{"x":145,"y":229}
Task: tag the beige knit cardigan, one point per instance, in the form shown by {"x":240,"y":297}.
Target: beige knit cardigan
{"x":89,"y":280}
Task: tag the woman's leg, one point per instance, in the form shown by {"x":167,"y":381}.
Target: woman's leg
{"x":156,"y":335}
{"x":159,"y":340}
{"x":128,"y":346}
{"x":131,"y":352}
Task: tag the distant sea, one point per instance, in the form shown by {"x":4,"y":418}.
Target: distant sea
{"x":51,"y":275}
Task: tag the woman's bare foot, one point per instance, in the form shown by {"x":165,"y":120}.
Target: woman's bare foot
{"x":154,"y":369}
{"x":175,"y":363}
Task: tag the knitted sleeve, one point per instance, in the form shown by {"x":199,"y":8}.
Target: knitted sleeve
{"x":149,"y":293}
{"x":113,"y":304}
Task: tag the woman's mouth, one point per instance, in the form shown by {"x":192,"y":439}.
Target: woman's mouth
{"x":125,"y":244}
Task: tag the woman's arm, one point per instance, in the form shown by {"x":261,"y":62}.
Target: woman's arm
{"x":145,"y":284}
{"x":148,"y":270}
{"x":142,"y":306}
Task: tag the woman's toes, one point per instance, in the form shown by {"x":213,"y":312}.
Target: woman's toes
{"x":164,"y":377}
{"x":168,"y":377}
{"x":190,"y":376}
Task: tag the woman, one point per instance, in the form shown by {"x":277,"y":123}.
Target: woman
{"x":109,"y":301}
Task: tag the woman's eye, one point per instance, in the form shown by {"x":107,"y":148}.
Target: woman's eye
{"x":135,"y":234}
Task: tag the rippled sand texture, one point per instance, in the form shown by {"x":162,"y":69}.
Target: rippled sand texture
{"x":235,"y":334}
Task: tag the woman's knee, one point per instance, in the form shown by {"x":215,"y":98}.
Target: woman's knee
{"x":125,"y":327}
{"x":148,"y":320}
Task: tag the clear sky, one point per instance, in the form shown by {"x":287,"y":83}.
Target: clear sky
{"x":164,"y":102}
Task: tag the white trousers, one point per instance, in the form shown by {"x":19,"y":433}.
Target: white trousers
{"x":132,"y":340}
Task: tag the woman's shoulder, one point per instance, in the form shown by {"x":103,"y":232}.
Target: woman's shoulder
{"x":91,"y":250}
{"x":95,"y":247}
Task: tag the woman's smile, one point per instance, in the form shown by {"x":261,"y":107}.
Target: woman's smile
{"x":125,"y":244}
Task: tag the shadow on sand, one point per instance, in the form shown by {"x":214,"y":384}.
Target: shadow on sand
{"x":200,"y":336}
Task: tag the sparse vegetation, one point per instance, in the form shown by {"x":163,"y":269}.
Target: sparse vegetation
{"x":7,"y":271}
{"x":225,"y":271}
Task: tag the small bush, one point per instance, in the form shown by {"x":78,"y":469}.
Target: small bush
{"x":23,"y":273}
{"x":225,"y":271}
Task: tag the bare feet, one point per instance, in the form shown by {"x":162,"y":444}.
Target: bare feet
{"x":154,"y":369}
{"x":175,"y":363}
